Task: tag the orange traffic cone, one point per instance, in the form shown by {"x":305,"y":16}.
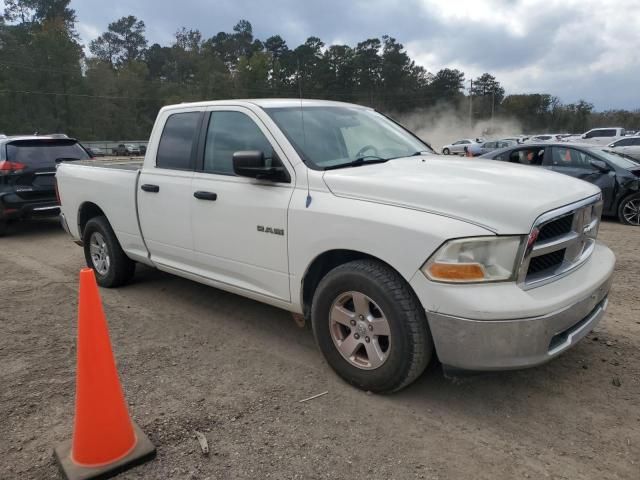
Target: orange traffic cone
{"x":105,"y":439}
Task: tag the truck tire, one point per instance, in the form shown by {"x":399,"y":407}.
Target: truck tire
{"x":370,"y":326}
{"x":103,"y":253}
{"x":629,"y":210}
{"x":3,"y":228}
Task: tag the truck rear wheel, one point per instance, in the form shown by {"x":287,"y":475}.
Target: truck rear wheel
{"x":103,"y":253}
{"x":370,"y":326}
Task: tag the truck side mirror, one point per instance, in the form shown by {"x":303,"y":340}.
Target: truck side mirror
{"x":253,"y":164}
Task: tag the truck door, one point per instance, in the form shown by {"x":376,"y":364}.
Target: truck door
{"x":239,"y":224}
{"x":164,"y":192}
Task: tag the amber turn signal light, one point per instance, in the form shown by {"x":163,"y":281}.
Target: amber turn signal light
{"x":456,"y":271}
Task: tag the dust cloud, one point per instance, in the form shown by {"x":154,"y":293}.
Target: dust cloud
{"x":442,"y":125}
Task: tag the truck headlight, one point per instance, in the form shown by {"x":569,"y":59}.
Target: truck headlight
{"x":476,"y":259}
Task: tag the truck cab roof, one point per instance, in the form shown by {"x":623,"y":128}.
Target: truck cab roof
{"x":267,"y":103}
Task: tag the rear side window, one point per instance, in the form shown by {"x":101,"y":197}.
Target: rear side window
{"x":38,"y":154}
{"x":624,"y":142}
{"x":176,"y":142}
{"x":528,"y":156}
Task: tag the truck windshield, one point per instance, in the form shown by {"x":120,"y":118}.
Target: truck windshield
{"x":331,"y":137}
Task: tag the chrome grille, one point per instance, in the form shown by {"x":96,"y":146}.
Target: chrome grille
{"x":560,"y":241}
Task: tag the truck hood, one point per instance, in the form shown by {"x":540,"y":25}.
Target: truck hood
{"x":502,"y":197}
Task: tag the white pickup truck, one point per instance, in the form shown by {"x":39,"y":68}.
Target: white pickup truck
{"x":336,"y":212}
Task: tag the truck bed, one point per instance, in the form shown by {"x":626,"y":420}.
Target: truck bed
{"x":109,"y":185}
{"x":117,"y":163}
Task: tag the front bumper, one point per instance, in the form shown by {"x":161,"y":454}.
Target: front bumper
{"x":533,"y":337}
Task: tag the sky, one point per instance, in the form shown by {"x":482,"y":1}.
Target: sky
{"x":573,"y":49}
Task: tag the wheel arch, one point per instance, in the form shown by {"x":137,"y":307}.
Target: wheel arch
{"x":324,"y":263}
{"x":86,"y":212}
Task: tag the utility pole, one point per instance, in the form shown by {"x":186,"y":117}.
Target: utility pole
{"x":471,"y":105}
{"x":493,"y":102}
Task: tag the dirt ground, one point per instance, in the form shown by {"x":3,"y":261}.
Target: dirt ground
{"x":195,"y":358}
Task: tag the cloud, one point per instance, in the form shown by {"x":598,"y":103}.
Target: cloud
{"x":569,"y":48}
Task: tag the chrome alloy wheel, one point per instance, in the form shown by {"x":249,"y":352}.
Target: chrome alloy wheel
{"x":99,"y":253}
{"x":360,"y":330}
{"x":631,"y":211}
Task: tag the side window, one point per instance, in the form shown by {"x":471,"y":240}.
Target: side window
{"x":176,"y":142}
{"x":528,"y":156}
{"x":465,"y":142}
{"x":624,"y":142}
{"x":611,"y":132}
{"x":568,"y":157}
{"x":635,"y":142}
{"x":231,"y":132}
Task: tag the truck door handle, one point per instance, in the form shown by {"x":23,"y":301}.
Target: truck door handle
{"x":150,"y":188}
{"x":206,"y":196}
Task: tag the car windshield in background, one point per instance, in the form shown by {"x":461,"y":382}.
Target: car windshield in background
{"x":618,"y":159}
{"x":44,"y":153}
{"x":331,"y":137}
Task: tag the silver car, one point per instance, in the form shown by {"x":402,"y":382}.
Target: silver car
{"x":458,"y":147}
{"x":486,"y":147}
{"x":628,"y":146}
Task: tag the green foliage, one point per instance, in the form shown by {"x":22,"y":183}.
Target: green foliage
{"x":47,"y":84}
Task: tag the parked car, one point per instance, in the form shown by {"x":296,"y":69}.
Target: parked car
{"x":126,"y":149}
{"x":546,"y":137}
{"x":142,"y":149}
{"x":516,"y":139}
{"x":478,"y":149}
{"x":628,"y":145}
{"x":458,"y":147}
{"x":601,"y":136}
{"x":617,"y":176}
{"x":27,"y":169}
{"x":96,"y":152}
{"x":392,"y":253}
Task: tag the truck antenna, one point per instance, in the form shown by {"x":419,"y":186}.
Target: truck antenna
{"x":304,"y":134}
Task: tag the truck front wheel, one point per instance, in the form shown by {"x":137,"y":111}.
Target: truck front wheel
{"x":370,"y":326}
{"x":103,"y":253}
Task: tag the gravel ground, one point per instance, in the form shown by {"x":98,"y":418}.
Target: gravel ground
{"x":195,"y":358}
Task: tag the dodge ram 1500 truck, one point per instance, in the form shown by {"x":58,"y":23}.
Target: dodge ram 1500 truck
{"x":336,"y":212}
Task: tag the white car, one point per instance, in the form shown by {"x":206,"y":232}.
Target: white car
{"x":394,"y":254}
{"x":459,"y":146}
{"x":545,"y":137}
{"x":601,"y":136}
{"x":628,"y":145}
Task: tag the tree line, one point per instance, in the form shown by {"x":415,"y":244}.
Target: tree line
{"x":49,"y":84}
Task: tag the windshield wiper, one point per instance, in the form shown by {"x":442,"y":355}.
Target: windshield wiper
{"x":415,"y":154}
{"x":369,"y":159}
